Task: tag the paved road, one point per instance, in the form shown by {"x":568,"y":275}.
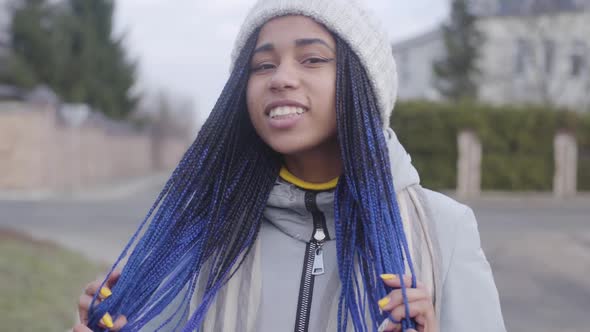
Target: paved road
{"x":539,"y":248}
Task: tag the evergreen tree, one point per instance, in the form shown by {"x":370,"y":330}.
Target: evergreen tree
{"x":456,"y":74}
{"x":70,"y":46}
{"x":99,"y":72}
{"x":31,"y":46}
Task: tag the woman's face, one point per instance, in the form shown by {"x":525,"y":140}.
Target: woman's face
{"x":292,"y":86}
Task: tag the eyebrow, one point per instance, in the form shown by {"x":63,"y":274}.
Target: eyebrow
{"x":268,"y":47}
{"x":311,"y":41}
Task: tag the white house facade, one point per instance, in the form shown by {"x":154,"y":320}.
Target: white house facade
{"x":415,"y":58}
{"x":540,"y":58}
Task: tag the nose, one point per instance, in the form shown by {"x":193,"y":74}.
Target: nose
{"x":284,"y":77}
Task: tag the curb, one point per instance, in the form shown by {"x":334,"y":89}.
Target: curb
{"x":120,"y":189}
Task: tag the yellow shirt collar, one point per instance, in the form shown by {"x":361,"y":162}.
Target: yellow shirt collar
{"x":289,"y":177}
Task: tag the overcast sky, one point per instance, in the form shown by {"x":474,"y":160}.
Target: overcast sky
{"x":184,"y":46}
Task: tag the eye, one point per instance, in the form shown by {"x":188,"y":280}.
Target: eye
{"x":263,"y":66}
{"x":316,"y":60}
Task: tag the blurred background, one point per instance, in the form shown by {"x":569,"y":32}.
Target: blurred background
{"x":99,"y":100}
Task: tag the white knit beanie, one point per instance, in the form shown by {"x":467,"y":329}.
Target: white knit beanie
{"x":352,"y":22}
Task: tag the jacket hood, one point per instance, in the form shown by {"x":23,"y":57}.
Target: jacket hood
{"x":286,"y":204}
{"x":403,"y":172}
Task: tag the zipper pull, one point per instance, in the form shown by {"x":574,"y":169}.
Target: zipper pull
{"x":318,"y":262}
{"x":319,"y":235}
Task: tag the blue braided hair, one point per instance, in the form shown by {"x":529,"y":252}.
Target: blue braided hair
{"x":369,"y":229}
{"x":209,"y":212}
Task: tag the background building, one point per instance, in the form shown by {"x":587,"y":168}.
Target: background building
{"x":535,"y":51}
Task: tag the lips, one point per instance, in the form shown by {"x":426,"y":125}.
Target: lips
{"x":283,"y":102}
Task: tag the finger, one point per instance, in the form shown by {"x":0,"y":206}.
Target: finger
{"x":106,"y":321}
{"x":83,"y":305}
{"x":386,"y":325}
{"x":389,"y":326}
{"x":119,"y":323}
{"x":420,"y":320}
{"x":113,"y":278}
{"x":105,"y":291}
{"x":85,"y":299}
{"x":393,"y":281}
{"x":395,"y":298}
{"x":416,"y":308}
{"x":81,"y":328}
{"x":92,"y":287}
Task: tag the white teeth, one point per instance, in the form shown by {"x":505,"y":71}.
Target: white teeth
{"x":286,"y":110}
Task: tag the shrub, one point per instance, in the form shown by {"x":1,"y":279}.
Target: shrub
{"x":517,"y":142}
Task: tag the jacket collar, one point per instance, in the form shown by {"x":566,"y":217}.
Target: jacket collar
{"x":286,"y":204}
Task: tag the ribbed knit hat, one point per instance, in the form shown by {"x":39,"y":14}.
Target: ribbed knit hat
{"x":352,"y":22}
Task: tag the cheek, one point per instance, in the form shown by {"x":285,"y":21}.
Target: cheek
{"x":251,"y":98}
{"x":253,"y":103}
{"x":330,"y":102}
{"x":249,"y":93}
{"x":327,"y":94}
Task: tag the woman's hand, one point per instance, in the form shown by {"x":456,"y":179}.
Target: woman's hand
{"x":419,"y":302}
{"x":86,"y":299}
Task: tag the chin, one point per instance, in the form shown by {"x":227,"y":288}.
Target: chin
{"x":299,"y":143}
{"x":286,"y":147}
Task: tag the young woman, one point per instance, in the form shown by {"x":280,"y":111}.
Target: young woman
{"x":296,"y":208}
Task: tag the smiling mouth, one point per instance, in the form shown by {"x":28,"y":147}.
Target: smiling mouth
{"x":286,"y":112}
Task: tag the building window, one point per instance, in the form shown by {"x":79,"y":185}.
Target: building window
{"x":578,"y":58}
{"x":404,"y":64}
{"x":523,"y":55}
{"x":549,"y":51}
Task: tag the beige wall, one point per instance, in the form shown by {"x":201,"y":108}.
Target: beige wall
{"x":38,"y":152}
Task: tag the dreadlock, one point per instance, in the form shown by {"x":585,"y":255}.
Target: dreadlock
{"x":369,"y":229}
{"x":210,"y":211}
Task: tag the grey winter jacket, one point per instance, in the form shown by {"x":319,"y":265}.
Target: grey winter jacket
{"x":469,"y":298}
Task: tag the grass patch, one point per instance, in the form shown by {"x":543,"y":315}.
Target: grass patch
{"x":40,"y":283}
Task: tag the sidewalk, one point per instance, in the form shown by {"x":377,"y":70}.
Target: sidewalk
{"x":123,"y":188}
{"x":525,"y":197}
{"x":126,"y":188}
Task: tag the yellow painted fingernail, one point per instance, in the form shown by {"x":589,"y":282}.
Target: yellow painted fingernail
{"x":105,"y":292}
{"x":388,"y":276}
{"x":107,"y":320}
{"x":383,"y":302}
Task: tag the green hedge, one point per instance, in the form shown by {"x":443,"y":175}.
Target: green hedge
{"x":517,"y":143}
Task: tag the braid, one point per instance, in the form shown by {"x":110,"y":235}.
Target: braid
{"x":369,"y":229}
{"x":209,"y":211}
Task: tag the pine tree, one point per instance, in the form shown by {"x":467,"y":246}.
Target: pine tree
{"x":97,"y":71}
{"x":32,"y":50}
{"x":70,"y":46}
{"x":456,"y":74}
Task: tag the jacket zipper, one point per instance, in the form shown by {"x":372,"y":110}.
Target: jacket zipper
{"x":313,"y":263}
